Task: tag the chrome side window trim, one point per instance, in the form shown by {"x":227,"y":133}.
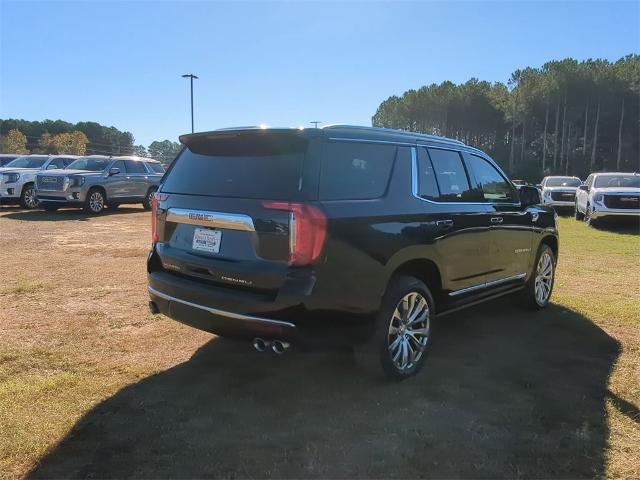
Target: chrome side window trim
{"x":487,"y":284}
{"x":205,"y":218}
{"x":222,"y":313}
{"x":414,"y":181}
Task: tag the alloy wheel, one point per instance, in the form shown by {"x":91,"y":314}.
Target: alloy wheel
{"x":409,"y":330}
{"x":96,"y":202}
{"x":30,"y":198}
{"x":544,"y":278}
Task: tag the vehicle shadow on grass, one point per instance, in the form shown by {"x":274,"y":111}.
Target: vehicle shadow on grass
{"x":64,"y":214}
{"x":623,"y":227}
{"x":516,"y":394}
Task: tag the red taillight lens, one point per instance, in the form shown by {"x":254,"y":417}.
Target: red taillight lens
{"x":308,"y":231}
{"x":157,"y":198}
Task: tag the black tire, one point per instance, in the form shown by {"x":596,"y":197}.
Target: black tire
{"x":531,"y":300}
{"x":589,"y":221}
{"x":28,"y":197}
{"x":411,"y":341}
{"x":577,"y":213}
{"x":146,"y":203}
{"x":50,"y":208}
{"x":95,"y":201}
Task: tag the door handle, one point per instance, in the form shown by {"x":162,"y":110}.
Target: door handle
{"x":444,"y":224}
{"x":497,"y":219}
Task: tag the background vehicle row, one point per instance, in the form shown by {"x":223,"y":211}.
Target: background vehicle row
{"x":17,"y":178}
{"x":95,"y":182}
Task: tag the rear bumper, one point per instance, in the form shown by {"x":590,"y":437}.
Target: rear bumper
{"x":221,"y":322}
{"x":295,"y":314}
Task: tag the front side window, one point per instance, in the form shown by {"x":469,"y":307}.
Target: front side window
{"x":56,"y":163}
{"x":494,"y":187}
{"x":90,"y":164}
{"x":355,"y":171}
{"x":119,"y":164}
{"x":451,"y":176}
{"x":134,"y":167}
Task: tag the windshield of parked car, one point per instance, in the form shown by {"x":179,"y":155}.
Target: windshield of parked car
{"x":90,"y":164}
{"x":27,"y":162}
{"x":563,"y":182}
{"x":604,"y":181}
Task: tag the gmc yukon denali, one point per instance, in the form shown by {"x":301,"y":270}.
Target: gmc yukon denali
{"x":350,"y":234}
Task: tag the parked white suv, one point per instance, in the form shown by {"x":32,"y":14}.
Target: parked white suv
{"x":608,"y":195}
{"x":559,"y":192}
{"x":17,"y":178}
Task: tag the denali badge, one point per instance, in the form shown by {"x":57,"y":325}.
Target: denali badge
{"x":237,"y":280}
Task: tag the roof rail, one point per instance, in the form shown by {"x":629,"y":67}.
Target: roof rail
{"x":425,"y":136}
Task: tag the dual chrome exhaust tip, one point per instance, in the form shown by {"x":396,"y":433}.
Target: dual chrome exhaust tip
{"x":277,"y":346}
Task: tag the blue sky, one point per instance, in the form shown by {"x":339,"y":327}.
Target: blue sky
{"x":280,"y":63}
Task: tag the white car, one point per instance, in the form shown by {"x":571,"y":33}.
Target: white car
{"x":17,"y":178}
{"x":608,"y":195}
{"x":559,"y":192}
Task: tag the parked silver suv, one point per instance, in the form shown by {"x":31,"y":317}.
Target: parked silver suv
{"x":97,"y":181}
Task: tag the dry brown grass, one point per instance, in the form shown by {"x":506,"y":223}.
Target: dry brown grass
{"x":91,"y":384}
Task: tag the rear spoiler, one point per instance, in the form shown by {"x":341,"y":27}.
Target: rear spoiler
{"x":249,"y":141}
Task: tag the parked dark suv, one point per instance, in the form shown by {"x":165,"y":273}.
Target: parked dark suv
{"x":345,"y":233}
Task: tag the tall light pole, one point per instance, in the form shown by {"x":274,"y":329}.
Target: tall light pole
{"x":191,"y":76}
{"x":315,"y":123}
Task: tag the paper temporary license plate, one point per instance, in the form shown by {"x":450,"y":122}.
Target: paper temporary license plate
{"x":207,"y":240}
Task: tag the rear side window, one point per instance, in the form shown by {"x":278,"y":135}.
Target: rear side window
{"x":493,"y":185}
{"x":427,"y":183}
{"x":355,"y":171}
{"x":134,"y":167}
{"x":156,"y":167}
{"x":451,"y":176}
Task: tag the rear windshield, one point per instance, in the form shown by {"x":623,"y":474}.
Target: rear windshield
{"x":27,"y":162}
{"x":612,"y":181}
{"x":563,"y":182}
{"x":277,"y":177}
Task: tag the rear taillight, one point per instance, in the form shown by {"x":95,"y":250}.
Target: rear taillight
{"x":307,"y":231}
{"x":157,"y":198}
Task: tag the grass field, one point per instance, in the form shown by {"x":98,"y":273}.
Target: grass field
{"x":92,"y":385}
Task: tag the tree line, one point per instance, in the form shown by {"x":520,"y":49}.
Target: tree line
{"x":567,"y":117}
{"x":82,"y":138}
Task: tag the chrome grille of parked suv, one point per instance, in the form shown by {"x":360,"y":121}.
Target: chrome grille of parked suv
{"x":622,"y":201}
{"x":50,"y":183}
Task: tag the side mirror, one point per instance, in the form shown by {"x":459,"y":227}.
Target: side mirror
{"x":584,"y":188}
{"x":529,"y":196}
{"x":114,"y":171}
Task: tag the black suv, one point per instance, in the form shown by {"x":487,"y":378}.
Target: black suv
{"x":314,"y":235}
